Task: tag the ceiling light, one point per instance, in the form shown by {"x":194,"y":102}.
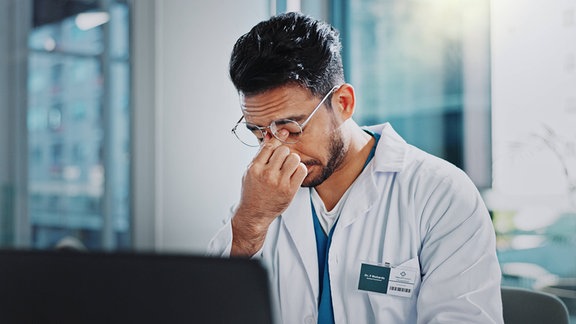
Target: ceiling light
{"x":89,"y":20}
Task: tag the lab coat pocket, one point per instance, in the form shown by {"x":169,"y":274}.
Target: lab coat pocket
{"x":400,"y":280}
{"x":391,"y":289}
{"x":411,"y":263}
{"x":405,"y":278}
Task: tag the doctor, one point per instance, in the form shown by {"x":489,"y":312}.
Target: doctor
{"x":353,"y":224}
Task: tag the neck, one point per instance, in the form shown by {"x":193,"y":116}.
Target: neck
{"x":333,"y":188}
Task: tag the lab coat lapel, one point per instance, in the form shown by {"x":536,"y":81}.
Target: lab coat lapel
{"x":361,"y":198}
{"x":298,"y":221}
{"x":389,"y":157}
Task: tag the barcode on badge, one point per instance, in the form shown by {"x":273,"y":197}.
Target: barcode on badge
{"x":399,"y":289}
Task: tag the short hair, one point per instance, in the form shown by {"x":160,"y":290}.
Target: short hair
{"x":287,"y":48}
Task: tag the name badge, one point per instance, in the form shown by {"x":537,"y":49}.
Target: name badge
{"x":397,"y":281}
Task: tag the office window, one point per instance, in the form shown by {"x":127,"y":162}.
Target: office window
{"x":533,"y":196}
{"x":437,"y":70}
{"x":412,"y":64}
{"x":76,"y":102}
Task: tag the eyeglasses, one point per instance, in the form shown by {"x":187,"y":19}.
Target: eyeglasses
{"x":253,"y":135}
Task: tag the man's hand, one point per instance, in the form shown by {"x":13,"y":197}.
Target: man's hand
{"x":268,"y":186}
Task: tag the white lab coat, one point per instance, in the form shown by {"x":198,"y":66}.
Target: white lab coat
{"x":407,"y":208}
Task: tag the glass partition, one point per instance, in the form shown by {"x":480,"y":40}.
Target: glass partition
{"x":424,"y":67}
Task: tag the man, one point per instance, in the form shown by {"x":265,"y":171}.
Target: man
{"x":353,"y":224}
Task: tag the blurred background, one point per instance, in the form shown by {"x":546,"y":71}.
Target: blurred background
{"x":115,"y":116}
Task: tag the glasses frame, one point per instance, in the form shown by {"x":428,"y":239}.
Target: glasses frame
{"x":264,"y":130}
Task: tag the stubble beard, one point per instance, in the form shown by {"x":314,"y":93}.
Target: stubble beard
{"x":336,"y":154}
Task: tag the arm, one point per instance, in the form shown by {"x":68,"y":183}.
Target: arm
{"x":460,"y":271}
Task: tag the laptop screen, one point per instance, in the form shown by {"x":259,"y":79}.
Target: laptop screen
{"x":70,"y":287}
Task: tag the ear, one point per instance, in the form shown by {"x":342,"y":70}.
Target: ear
{"x":344,"y":101}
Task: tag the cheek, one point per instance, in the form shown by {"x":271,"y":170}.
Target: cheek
{"x":315,"y":142}
{"x":315,"y":151}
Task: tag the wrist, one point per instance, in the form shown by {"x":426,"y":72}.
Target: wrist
{"x":247,"y":236}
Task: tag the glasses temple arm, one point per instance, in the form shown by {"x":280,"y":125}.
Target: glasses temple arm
{"x":239,"y":120}
{"x":318,"y":107}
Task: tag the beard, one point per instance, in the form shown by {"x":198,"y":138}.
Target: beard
{"x":336,"y":154}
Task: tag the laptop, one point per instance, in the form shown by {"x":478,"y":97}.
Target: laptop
{"x":89,"y":287}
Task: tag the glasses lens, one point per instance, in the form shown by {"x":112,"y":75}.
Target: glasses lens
{"x":248,"y":134}
{"x":292,"y":131}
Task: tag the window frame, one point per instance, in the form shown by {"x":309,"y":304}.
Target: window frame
{"x":15,"y":16}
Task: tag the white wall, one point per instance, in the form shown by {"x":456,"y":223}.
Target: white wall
{"x":199,"y":163}
{"x":533,"y":84}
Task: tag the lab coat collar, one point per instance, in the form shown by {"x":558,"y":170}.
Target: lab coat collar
{"x":391,"y":150}
{"x":389,"y":157}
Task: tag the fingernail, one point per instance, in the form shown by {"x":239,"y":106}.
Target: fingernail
{"x":283,"y":133}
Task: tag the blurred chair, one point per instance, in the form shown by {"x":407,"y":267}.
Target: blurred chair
{"x":523,"y":306}
{"x":564,"y":288}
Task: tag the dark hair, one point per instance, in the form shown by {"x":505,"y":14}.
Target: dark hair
{"x":287,"y":48}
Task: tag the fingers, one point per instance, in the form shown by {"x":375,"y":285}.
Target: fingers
{"x":299,"y":175}
{"x":291,"y":162}
{"x":294,"y":170}
{"x":282,"y":134}
{"x":269,"y":147}
{"x":276,"y":163}
{"x":279,"y":157}
{"x":265,"y":152}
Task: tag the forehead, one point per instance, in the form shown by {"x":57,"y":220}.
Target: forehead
{"x":288,"y":101}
